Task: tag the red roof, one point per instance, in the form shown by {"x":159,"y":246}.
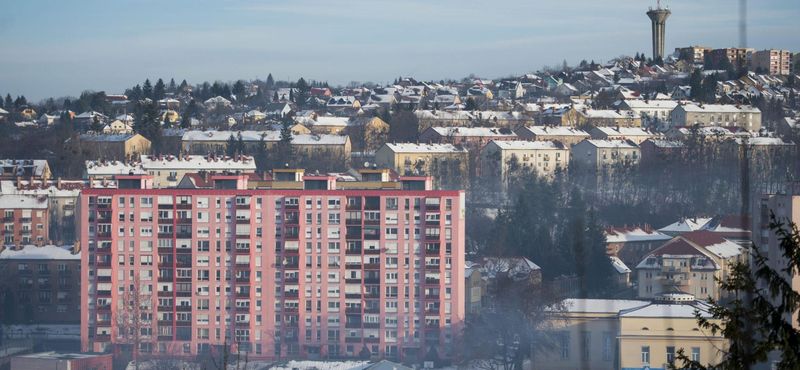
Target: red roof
{"x":703,"y":238}
{"x":677,"y":247}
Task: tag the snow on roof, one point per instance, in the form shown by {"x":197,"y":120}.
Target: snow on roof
{"x":623,"y":144}
{"x":69,"y":188}
{"x":666,"y":143}
{"x":556,"y":131}
{"x":47,"y":252}
{"x":726,"y":249}
{"x":425,"y":148}
{"x":528,"y":145}
{"x":110,"y":168}
{"x":762,"y":141}
{"x":719,"y":108}
{"x":610,"y":306}
{"x":624,"y":131}
{"x":443,"y":115}
{"x":268,"y":135}
{"x":19,"y":166}
{"x":22,"y":201}
{"x":668,"y":310}
{"x":633,"y":234}
{"x":329,"y":121}
{"x":3,"y":111}
{"x":321,"y":365}
{"x":514,"y":266}
{"x":193,"y":162}
{"x":619,"y":265}
{"x":106,"y":137}
{"x":473,"y":131}
{"x":607,"y":113}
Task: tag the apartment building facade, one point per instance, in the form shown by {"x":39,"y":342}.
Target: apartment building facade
{"x":736,"y":56}
{"x":42,"y":283}
{"x":25,"y":219}
{"x":744,"y":116}
{"x":318,"y":273}
{"x":786,"y":208}
{"x":773,"y":62}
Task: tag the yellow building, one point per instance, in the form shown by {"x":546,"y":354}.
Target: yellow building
{"x":410,"y":158}
{"x":689,"y":263}
{"x":119,"y":146}
{"x":545,"y":157}
{"x":606,"y":334}
{"x":581,"y":116}
{"x":118,"y":127}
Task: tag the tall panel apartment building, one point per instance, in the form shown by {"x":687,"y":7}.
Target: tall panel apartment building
{"x":298,"y":266}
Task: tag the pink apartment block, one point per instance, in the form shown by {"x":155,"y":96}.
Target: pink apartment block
{"x":301,"y":273}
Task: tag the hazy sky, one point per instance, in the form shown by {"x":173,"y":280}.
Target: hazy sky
{"x":55,"y":48}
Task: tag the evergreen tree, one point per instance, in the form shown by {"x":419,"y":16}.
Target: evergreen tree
{"x":136,"y":94}
{"x":172,"y":87}
{"x":471,"y":105}
{"x":696,"y":83}
{"x":97,"y":126}
{"x":183,"y":85}
{"x":303,"y":90}
{"x":709,"y":90}
{"x":291,"y":94}
{"x":147,"y":89}
{"x":275,"y":97}
{"x":160,"y":90}
{"x":20,"y":101}
{"x":270,"y":81}
{"x":146,"y":121}
{"x":9,"y":102}
{"x":636,"y":57}
{"x":239,"y":90}
{"x":67,"y":104}
{"x":2,"y":103}
{"x":707,"y":64}
{"x":230,"y":146}
{"x":284,"y":149}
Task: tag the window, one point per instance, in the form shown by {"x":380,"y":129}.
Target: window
{"x":565,"y":346}
{"x":585,"y":345}
{"x":607,"y":346}
{"x":645,"y":354}
{"x":696,"y":354}
{"x":670,"y":354}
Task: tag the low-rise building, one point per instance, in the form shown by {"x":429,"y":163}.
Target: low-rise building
{"x":46,"y":283}
{"x":659,"y":151}
{"x":718,"y":133}
{"x":11,"y":169}
{"x":569,"y":136}
{"x":654,"y":113}
{"x":168,"y":170}
{"x":610,"y":334}
{"x":605,"y":154}
{"x":634,"y":134}
{"x":583,"y":116}
{"x":62,"y":198}
{"x":623,"y":273}
{"x":211,"y":141}
{"x":116,"y":146}
{"x":26,"y":219}
{"x":691,"y":263}
{"x":631,"y":243}
{"x":468,"y":137}
{"x":744,"y":116}
{"x":69,"y":361}
{"x":545,"y":157}
{"x":411,"y":158}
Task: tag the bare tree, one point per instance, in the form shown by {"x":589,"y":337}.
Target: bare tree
{"x":133,"y":319}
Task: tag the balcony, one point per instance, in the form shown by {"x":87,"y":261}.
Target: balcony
{"x":291,"y":206}
{"x":183,"y":250}
{"x":432,"y":310}
{"x":99,"y":264}
{"x":431,"y":340}
{"x":290,"y":309}
{"x":165,"y":338}
{"x":165,"y":308}
{"x":183,"y":206}
{"x":352,"y":266}
{"x":24,"y":272}
{"x":432,"y":296}
{"x":352,"y":221}
{"x":183,"y":235}
{"x":25,"y":286}
{"x":45,"y":272}
{"x":242,"y":294}
{"x":433,"y":237}
{"x":165,"y":235}
{"x":372,"y":295}
{"x":243,"y":279}
{"x":432,"y":266}
{"x":372,"y":280}
{"x":432,"y":207}
{"x":182,"y":293}
{"x":104,"y":249}
{"x":291,"y":280}
{"x":165,"y":221}
{"x":102,"y":337}
{"x":242,"y":323}
{"x":372,"y":325}
{"x":104,"y":205}
{"x":183,"y":323}
{"x":243,"y":250}
{"x":352,"y":340}
{"x":432,"y":251}
{"x":105,"y":307}
{"x":65,"y":300}
{"x":183,"y":308}
{"x":372,"y":266}
{"x":164,"y":294}
{"x":242,"y":221}
{"x":242,"y":309}
{"x":431,"y":281}
{"x":291,"y":236}
{"x":352,"y":295}
{"x":104,"y":235}
{"x":45,"y":301}
{"x":184,"y":221}
{"x":8,"y":219}
{"x":164,"y":322}
{"x":45,"y":286}
{"x":352,"y":309}
{"x":353,"y":325}
{"x":64,"y":286}
{"x":165,"y":250}
{"x":165,"y":206}
{"x":372,"y":340}
{"x":372,"y":310}
{"x":291,"y":294}
{"x":433,"y":222}
{"x":103,"y":322}
{"x":352,"y":281}
{"x":165,"y":264}
{"x":352,"y":236}
{"x":242,"y":265}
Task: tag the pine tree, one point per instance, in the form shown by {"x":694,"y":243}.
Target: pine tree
{"x":183,"y":85}
{"x":20,"y":101}
{"x":637,"y":56}
{"x":240,"y":143}
{"x":303,"y":90}
{"x":172,"y":87}
{"x":239,"y":90}
{"x":270,"y":81}
{"x":147,"y":89}
{"x":230,"y":146}
{"x":97,"y":126}
{"x":160,"y":90}
{"x":275,"y":97}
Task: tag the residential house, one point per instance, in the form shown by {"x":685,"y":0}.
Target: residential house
{"x":596,"y":155}
{"x":545,"y":157}
{"x":468,"y":137}
{"x":569,"y":136}
{"x":654,"y":113}
{"x":631,"y":243}
{"x":744,"y":116}
{"x":277,"y":110}
{"x":118,"y":127}
{"x":658,"y":151}
{"x":26,"y":219}
{"x":118,"y":146}
{"x":216,"y":102}
{"x":634,"y":134}
{"x":46,"y":283}
{"x":11,"y":169}
{"x":691,"y":263}
{"x":410,"y":158}
{"x":623,"y":273}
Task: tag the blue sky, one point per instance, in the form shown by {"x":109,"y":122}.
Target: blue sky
{"x":55,"y":48}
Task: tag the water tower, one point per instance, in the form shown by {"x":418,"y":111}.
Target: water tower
{"x":658,"y":17}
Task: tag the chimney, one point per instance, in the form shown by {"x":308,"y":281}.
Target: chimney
{"x":208,"y":176}
{"x":104,"y":181}
{"x":19,"y":182}
{"x":58,"y":183}
{"x":76,"y":247}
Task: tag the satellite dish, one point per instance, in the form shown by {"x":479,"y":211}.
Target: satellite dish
{"x":366,"y":164}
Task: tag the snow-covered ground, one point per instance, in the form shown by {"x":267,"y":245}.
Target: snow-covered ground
{"x":55,"y":331}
